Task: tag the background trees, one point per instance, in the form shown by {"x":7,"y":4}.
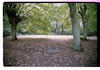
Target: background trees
{"x":92,"y":26}
{"x":89,"y":17}
{"x":41,"y":19}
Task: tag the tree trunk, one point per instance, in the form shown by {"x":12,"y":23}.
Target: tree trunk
{"x":76,"y":36}
{"x":62,"y":29}
{"x":84,"y":27}
{"x":75,"y":28}
{"x":84,"y":31}
{"x":13,"y":27}
{"x":83,"y":14}
{"x":56,"y":30}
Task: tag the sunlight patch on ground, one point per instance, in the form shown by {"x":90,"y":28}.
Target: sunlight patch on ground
{"x":57,"y":37}
{"x":61,"y":37}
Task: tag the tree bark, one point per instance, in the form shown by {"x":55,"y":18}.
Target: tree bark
{"x":84,"y":31}
{"x":13,"y":27}
{"x":62,"y":29}
{"x":84,"y":27}
{"x":56,"y":29}
{"x":82,"y":12}
{"x":75,"y":28}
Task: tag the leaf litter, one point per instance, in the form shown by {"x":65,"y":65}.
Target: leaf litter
{"x":33,"y":52}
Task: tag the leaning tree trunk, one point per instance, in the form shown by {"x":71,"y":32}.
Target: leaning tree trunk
{"x":75,"y":28}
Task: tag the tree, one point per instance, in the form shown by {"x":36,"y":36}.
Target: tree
{"x":75,"y":28}
{"x":11,"y":9}
{"x":16,"y":12}
{"x":88,"y":16}
{"x":84,"y":15}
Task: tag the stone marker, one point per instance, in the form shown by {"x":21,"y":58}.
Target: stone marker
{"x":53,"y":50}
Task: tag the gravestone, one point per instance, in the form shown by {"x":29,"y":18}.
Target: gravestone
{"x":53,"y":50}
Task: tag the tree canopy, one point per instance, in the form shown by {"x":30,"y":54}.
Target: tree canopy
{"x":46,"y":18}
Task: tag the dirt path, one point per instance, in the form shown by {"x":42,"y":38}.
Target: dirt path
{"x":32,"y":51}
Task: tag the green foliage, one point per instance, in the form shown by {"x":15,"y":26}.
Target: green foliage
{"x":82,"y":38}
{"x":6,"y":26}
{"x":90,"y":18}
{"x":42,"y":18}
{"x":92,"y":28}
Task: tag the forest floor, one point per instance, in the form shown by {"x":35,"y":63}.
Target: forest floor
{"x":33,"y":51}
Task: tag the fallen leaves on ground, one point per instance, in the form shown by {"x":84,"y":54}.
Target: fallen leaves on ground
{"x":33,"y":52}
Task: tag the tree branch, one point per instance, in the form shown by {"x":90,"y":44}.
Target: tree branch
{"x":80,"y":13}
{"x":19,"y":5}
{"x":20,"y":9}
{"x":27,"y":11}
